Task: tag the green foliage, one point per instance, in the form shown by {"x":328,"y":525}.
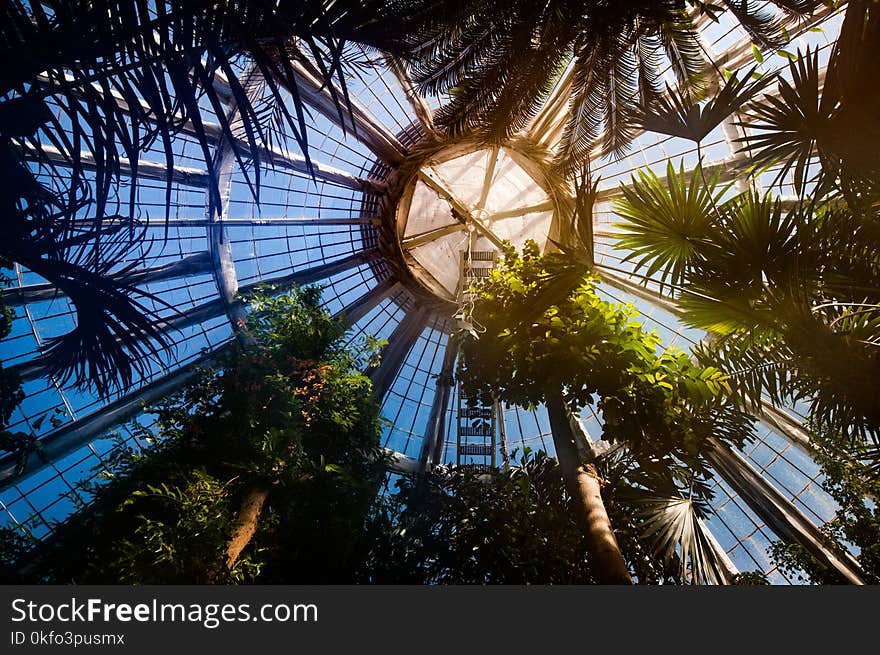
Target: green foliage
{"x":833,"y":123}
{"x":661,"y":405}
{"x":791,"y":294}
{"x":175,"y":526}
{"x":677,"y":113}
{"x":786,"y":128}
{"x":544,"y":329}
{"x":515,"y":526}
{"x":289,"y":411}
{"x":14,"y":546}
{"x":751,"y":579}
{"x":667,"y":226}
{"x":106,"y":95}
{"x":499,"y":61}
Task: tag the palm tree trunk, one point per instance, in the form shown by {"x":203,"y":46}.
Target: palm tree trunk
{"x":245,"y":524}
{"x":606,"y":560}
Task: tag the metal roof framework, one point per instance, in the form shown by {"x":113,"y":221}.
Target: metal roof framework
{"x":332,"y":230}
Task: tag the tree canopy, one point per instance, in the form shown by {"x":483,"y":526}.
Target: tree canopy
{"x":535,"y":333}
{"x":290,"y":413}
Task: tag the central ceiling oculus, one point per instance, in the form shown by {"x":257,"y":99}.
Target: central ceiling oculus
{"x":470,"y":202}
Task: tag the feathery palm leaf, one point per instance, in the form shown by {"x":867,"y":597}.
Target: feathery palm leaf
{"x":851,"y":81}
{"x":759,"y":22}
{"x":98,"y":83}
{"x":802,"y":358}
{"x":758,"y":366}
{"x":483,"y":52}
{"x":127,"y":74}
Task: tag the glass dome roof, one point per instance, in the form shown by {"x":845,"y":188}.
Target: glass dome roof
{"x":380,"y":228}
{"x":458,"y":202}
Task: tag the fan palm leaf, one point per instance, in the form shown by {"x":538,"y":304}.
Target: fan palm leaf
{"x":756,"y":243}
{"x":677,"y":113}
{"x":668,"y":225}
{"x":673,"y":528}
{"x":669,"y":506}
{"x":794,"y":127}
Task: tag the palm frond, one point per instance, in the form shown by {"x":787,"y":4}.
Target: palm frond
{"x":758,"y":366}
{"x":613,"y":73}
{"x":673,"y":528}
{"x":648,"y":52}
{"x":118,"y":334}
{"x":128,"y":74}
{"x":788,"y":129}
{"x":582,"y":127}
{"x":678,"y":34}
{"x":101,"y":82}
{"x":667,"y":225}
{"x":447,"y":47}
{"x":758,"y":22}
{"x":757,"y":243}
{"x":677,"y":113}
{"x":724,"y":312}
{"x":499,"y":99}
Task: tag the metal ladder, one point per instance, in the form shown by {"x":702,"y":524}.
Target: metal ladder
{"x":476,"y":445}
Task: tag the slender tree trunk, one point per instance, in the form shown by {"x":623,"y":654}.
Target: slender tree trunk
{"x":245,"y":524}
{"x":606,"y":560}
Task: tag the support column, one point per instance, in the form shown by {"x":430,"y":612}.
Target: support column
{"x":399,"y":344}
{"x":225,"y":159}
{"x":502,"y":433}
{"x":780,"y":514}
{"x":356,"y":310}
{"x":435,"y":432}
